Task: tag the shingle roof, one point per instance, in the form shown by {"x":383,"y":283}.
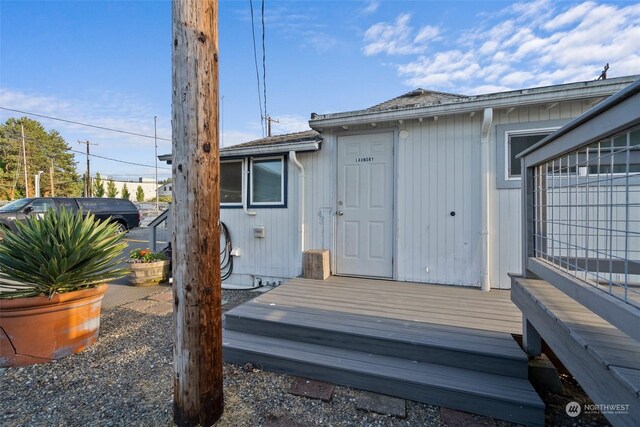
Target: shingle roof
{"x":415,"y":98}
{"x":309,"y":135}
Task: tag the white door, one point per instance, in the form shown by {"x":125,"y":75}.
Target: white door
{"x":365,"y":205}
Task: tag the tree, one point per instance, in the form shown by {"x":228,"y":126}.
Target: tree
{"x":44,"y":149}
{"x":112,"y":191}
{"x":98,"y":186}
{"x":125,"y":192}
{"x":140,"y":194}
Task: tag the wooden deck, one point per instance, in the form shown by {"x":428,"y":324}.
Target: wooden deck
{"x":443,"y":345}
{"x":604,"y":360}
{"x":435,"y":304}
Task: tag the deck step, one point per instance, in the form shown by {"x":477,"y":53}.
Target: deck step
{"x":498,"y":396}
{"x":604,"y":360}
{"x":475,"y":349}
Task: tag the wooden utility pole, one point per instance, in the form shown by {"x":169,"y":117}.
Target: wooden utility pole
{"x":87,"y":182}
{"x":24,"y":159}
{"x":51,"y":179}
{"x":269,"y":120}
{"x":198,"y":398}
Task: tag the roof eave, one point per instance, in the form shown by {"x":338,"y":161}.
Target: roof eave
{"x":524,"y":97}
{"x":300,"y":146}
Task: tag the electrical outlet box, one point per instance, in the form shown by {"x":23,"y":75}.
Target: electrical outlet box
{"x":235,"y":252}
{"x":258,"y":232}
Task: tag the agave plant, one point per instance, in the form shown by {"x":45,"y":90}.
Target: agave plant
{"x":58,"y":253}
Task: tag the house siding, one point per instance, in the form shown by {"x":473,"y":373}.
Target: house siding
{"x":505,"y":244}
{"x":437,"y":171}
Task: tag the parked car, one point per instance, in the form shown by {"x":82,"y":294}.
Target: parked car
{"x":119,"y":211}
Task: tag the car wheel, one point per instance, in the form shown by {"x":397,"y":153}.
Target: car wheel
{"x":120,"y":228}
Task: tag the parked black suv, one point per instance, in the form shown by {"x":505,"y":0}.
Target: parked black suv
{"x":120,"y":211}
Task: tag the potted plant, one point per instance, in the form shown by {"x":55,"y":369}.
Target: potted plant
{"x":53,"y":271}
{"x":148,"y":268}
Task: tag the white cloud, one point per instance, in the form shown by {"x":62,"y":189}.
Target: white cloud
{"x":426,"y":34}
{"x":301,"y":28}
{"x":439,"y":69}
{"x":570,"y":16}
{"x":397,"y":38}
{"x":233,"y":137}
{"x":285,"y":124}
{"x":104,"y":109}
{"x":370,"y":7}
{"x":290,"y":124}
{"x":525,"y":44}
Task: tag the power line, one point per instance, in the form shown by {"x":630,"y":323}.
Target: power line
{"x":84,"y":124}
{"x":120,"y":161}
{"x":255,"y":61}
{"x":101,"y":157}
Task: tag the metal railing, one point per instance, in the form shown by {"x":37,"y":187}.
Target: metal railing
{"x":586,"y":214}
{"x":160,"y":231}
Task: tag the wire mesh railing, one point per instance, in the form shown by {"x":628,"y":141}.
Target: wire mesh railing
{"x":587,"y":214}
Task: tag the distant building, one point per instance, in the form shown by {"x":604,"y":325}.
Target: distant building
{"x":164,"y":190}
{"x":148,"y":186}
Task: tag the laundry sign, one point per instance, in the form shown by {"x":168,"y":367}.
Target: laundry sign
{"x":364,"y":159}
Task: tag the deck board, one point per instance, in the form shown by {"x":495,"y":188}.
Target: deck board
{"x":455,"y":306}
{"x":602,"y":358}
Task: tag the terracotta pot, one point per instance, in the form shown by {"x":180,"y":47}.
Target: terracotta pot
{"x":39,"y":329}
{"x":149,"y":273}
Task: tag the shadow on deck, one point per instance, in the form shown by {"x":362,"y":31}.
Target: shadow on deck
{"x":443,"y":345}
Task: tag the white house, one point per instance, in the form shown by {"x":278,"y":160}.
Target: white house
{"x":148,"y":187}
{"x":421,"y":188}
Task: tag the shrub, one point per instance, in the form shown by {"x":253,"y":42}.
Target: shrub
{"x":58,"y":253}
{"x":145,"y":255}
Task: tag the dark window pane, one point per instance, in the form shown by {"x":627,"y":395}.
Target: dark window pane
{"x":231,"y":182}
{"x":519,"y":143}
{"x":267,"y":181}
{"x":42,"y":205}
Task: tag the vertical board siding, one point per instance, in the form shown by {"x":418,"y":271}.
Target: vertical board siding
{"x":505,"y":232}
{"x":438,"y":171}
{"x":278,"y":254}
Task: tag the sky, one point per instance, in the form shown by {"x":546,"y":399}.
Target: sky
{"x":108,"y":63}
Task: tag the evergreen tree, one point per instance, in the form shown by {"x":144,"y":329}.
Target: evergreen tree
{"x":98,"y":186}
{"x":140,"y":194}
{"x":112,"y":191}
{"x":43,"y":149}
{"x":125,"y":192}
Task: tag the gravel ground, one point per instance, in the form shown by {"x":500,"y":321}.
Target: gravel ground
{"x":125,"y":379}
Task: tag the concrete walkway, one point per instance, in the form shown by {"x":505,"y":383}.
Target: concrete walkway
{"x":122,"y":294}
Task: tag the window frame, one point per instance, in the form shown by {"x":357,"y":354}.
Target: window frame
{"x":503,"y":134}
{"x":283,"y":182}
{"x":235,"y":205}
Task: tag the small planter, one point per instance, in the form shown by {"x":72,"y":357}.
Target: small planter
{"x":149,"y":273}
{"x":39,"y":329}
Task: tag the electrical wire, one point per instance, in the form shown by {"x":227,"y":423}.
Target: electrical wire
{"x":84,"y":124}
{"x":93,"y":155}
{"x":255,"y":61}
{"x":226,"y":259}
{"x":118,"y":160}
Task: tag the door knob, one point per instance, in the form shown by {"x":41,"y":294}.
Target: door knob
{"x":340,"y":213}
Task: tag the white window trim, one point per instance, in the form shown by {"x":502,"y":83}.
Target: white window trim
{"x":282,"y":181}
{"x":507,"y":143}
{"x":242,"y":186}
{"x":501,"y":135}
